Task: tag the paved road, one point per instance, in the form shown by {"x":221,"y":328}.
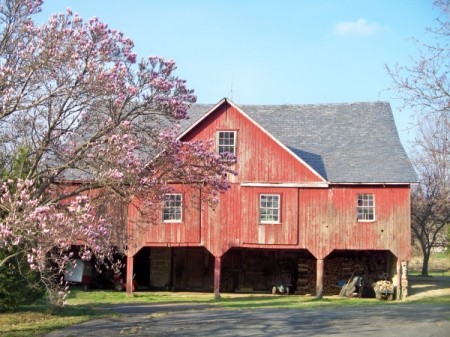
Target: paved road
{"x":410,"y":320}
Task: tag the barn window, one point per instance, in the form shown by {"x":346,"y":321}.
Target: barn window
{"x":172,"y":208}
{"x":269,"y":208}
{"x":226,"y":142}
{"x":366,"y":207}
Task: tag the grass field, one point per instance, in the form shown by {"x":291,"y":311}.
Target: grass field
{"x":37,"y":320}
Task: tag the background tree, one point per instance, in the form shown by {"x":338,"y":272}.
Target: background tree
{"x":430,"y":199}
{"x":425,"y":88}
{"x":78,"y":105}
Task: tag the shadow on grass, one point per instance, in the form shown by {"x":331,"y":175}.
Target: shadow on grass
{"x":429,"y":285}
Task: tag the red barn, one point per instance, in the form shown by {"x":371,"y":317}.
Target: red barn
{"x":322,"y":194}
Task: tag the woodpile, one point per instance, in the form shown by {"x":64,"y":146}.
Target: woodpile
{"x":259,"y":271}
{"x":339,"y":269}
{"x":306,"y":277}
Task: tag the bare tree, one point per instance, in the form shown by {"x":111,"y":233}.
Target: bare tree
{"x":425,"y":88}
{"x":430,"y":199}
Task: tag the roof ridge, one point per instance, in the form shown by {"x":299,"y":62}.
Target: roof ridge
{"x":306,"y":104}
{"x":343,"y":142}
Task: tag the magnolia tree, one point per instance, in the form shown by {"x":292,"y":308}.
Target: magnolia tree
{"x":77,"y":106}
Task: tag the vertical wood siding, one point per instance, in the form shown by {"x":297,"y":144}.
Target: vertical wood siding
{"x":317,"y":219}
{"x":260,"y":159}
{"x":152,"y":231}
{"x":328,"y":220}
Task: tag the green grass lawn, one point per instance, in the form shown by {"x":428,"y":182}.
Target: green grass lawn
{"x":430,"y":273}
{"x":37,"y":320}
{"x":227,"y":301}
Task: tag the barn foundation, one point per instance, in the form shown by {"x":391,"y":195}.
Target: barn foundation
{"x":258,"y":270}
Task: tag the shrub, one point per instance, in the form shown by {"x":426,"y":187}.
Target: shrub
{"x":18,"y":284}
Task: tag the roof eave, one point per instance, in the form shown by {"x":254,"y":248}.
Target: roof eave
{"x":372,"y":183}
{"x":185,"y":132}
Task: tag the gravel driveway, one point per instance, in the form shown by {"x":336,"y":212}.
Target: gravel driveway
{"x":412,"y":320}
{"x":390,"y":319}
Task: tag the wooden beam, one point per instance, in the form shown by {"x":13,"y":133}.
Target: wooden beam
{"x":129,"y":285}
{"x":397,"y":280}
{"x":217,"y":267}
{"x":319,"y":278}
{"x":404,"y":280}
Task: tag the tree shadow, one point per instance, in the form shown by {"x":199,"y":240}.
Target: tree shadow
{"x":420,"y":285}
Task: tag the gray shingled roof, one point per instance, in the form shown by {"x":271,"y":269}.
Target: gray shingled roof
{"x":344,"y":143}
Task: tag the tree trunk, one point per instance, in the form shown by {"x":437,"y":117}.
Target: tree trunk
{"x":426,"y":258}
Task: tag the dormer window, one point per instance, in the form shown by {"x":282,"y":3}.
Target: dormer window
{"x":226,"y":142}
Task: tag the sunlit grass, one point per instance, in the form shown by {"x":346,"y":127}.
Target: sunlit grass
{"x":102,"y":299}
{"x":431,"y":300}
{"x":38,"y":320}
{"x":99,"y":298}
{"x":442,"y":272}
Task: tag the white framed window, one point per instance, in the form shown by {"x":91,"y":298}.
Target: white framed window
{"x":226,"y":142}
{"x":269,"y":208}
{"x":366,"y":207}
{"x":172,"y":208}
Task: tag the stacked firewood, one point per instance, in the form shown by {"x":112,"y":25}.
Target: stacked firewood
{"x":339,"y":271}
{"x":306,"y":277}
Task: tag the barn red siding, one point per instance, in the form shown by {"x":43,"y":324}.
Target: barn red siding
{"x":319,"y":220}
{"x":260,"y":159}
{"x":328,"y":220}
{"x":152,"y":231}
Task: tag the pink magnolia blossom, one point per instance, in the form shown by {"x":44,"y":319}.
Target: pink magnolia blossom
{"x":96,"y":128}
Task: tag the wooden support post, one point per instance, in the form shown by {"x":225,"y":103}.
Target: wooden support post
{"x":217,"y":266}
{"x":319,"y":278}
{"x":129,"y":284}
{"x":397,"y":280}
{"x":404,"y":281}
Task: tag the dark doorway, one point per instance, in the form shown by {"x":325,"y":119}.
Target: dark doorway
{"x":258,"y":270}
{"x":141,"y":268}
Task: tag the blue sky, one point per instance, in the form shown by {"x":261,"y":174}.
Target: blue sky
{"x":273,"y":51}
